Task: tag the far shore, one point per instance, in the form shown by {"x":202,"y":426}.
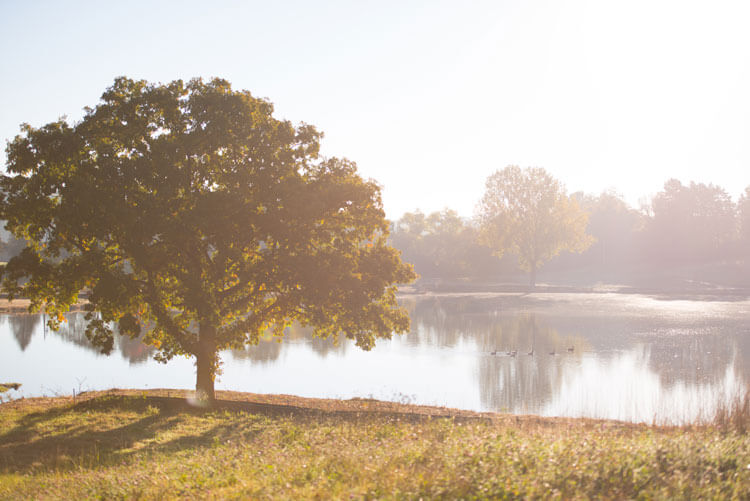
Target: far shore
{"x":20,"y":305}
{"x":696,"y":292}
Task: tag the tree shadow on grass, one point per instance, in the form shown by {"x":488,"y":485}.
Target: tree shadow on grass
{"x":80,"y":434}
{"x":109,"y":429}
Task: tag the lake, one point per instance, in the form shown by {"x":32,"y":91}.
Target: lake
{"x":619,"y":356}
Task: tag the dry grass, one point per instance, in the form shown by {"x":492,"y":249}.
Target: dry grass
{"x":736,"y":416}
{"x":154,"y":445}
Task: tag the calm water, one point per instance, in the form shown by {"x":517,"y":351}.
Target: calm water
{"x":625,"y":357}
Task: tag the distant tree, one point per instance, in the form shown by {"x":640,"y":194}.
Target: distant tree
{"x":614,"y":226}
{"x":743,"y":217}
{"x":192,"y":216}
{"x":407,"y":235}
{"x":440,"y":245}
{"x":528,"y":213}
{"x":691,"y":223}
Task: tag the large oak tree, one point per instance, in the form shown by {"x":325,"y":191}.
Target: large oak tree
{"x":191,"y":216}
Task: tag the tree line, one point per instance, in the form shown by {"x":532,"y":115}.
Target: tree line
{"x":527,"y":222}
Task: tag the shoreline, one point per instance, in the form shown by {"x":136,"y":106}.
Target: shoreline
{"x":292,"y":405}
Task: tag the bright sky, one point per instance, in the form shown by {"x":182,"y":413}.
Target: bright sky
{"x":428,"y":97}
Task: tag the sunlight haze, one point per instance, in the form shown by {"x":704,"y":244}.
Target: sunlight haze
{"x":429,"y":98}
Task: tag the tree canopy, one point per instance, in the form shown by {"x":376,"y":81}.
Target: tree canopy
{"x":528,"y":213}
{"x":440,"y":245}
{"x":614,"y":226}
{"x":743,"y":216}
{"x":691,"y":223}
{"x":189,"y":215}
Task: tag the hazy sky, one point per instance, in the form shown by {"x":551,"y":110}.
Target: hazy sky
{"x":431,"y":97}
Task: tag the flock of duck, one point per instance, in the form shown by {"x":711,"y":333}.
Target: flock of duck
{"x":513,"y":353}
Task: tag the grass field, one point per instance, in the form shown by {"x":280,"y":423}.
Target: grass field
{"x":155,"y":445}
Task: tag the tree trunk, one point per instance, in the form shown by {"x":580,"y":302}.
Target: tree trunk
{"x":206,"y":363}
{"x":532,"y":272}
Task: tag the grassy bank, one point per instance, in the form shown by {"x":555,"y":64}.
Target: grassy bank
{"x":154,"y":444}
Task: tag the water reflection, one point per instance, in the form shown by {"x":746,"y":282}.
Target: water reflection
{"x":635,"y":360}
{"x":270,"y":349}
{"x":615,"y":356}
{"x":24,"y":327}
{"x":627,"y":388}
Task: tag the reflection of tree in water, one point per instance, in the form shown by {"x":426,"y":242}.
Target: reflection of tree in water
{"x":133,"y":350}
{"x":694,"y":350}
{"x":678,"y":349}
{"x":23,"y":328}
{"x":325,"y":347}
{"x":527,"y":366}
{"x":74,"y":331}
{"x":690,"y":357}
{"x":444,"y":321}
{"x":269,"y":349}
{"x":447,"y":321}
{"x":521,"y":372}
